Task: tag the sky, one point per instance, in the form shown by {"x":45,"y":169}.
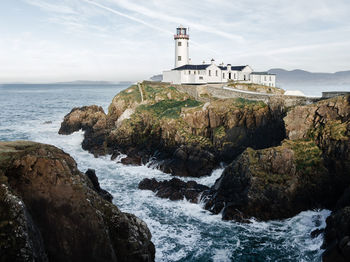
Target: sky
{"x":121,"y":40}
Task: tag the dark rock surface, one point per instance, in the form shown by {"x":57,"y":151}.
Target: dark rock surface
{"x":91,"y":174}
{"x":174,"y":189}
{"x":189,"y":161}
{"x":270,"y":184}
{"x":337,"y":232}
{"x":92,"y":120}
{"x":189,"y":137}
{"x":310,"y":170}
{"x":50,"y":211}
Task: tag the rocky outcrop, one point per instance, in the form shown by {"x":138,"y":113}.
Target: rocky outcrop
{"x":174,"y":189}
{"x":91,"y":174}
{"x":93,"y":121}
{"x":50,"y":211}
{"x":157,"y":120}
{"x":310,"y":170}
{"x":337,"y":232}
{"x":271,"y":183}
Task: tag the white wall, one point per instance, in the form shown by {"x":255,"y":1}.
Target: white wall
{"x":267,"y":80}
{"x":172,"y":76}
{"x":182,"y":51}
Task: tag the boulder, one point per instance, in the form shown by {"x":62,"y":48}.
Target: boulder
{"x":92,"y":120}
{"x":174,"y":189}
{"x":271,"y":183}
{"x":50,"y":211}
{"x":189,"y":161}
{"x":91,"y":174}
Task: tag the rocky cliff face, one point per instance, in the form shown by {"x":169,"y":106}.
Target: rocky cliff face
{"x":152,"y":118}
{"x":337,"y":232}
{"x":50,"y":211}
{"x":309,"y":170}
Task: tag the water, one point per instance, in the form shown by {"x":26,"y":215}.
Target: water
{"x":181,"y":231}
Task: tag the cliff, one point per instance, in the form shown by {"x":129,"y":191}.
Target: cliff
{"x":50,"y":211}
{"x":188,"y":135}
{"x":310,"y":169}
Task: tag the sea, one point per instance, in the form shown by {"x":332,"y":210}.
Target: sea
{"x":181,"y":231}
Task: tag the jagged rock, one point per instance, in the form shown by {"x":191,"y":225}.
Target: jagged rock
{"x":174,"y":189}
{"x":310,"y":170}
{"x":91,"y":174}
{"x":271,"y":183}
{"x":50,"y":212}
{"x":156,"y":119}
{"x":189,"y":161}
{"x":92,"y":120}
{"x":337,"y":237}
{"x":337,"y":232}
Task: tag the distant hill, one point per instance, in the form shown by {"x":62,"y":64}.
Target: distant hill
{"x":301,"y":78}
{"x":84,"y":82}
{"x":157,"y":78}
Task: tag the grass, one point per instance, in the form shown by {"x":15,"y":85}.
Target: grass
{"x":308,"y":156}
{"x":169,"y":108}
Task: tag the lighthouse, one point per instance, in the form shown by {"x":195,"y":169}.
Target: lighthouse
{"x":181,"y":46}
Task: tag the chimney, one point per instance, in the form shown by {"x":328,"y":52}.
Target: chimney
{"x":212,"y":61}
{"x":229,"y":67}
{"x":203,"y":62}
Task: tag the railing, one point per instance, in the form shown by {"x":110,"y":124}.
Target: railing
{"x":181,"y":36}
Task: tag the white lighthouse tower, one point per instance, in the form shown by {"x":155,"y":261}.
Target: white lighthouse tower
{"x":181,"y":46}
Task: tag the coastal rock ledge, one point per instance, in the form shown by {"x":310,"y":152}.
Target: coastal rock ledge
{"x":50,"y":211}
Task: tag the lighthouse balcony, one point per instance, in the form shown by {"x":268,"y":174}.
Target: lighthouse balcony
{"x":181,"y":37}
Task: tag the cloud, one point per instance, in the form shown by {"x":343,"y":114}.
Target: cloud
{"x":111,"y":39}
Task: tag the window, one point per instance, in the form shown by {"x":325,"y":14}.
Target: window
{"x":201,"y":78}
{"x":265,"y":78}
{"x":179,"y":58}
{"x":187,"y":44}
{"x":244,"y":77}
{"x":223,"y":75}
{"x":199,"y":72}
{"x":189,"y":72}
{"x":209,"y":72}
{"x":234,"y":76}
{"x":216,"y":73}
{"x":179,"y":43}
{"x":270,"y":78}
{"x":194,"y":71}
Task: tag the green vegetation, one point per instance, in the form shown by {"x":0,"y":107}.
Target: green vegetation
{"x":219,"y":132}
{"x":241,"y":103}
{"x":333,"y":129}
{"x":169,"y":108}
{"x":307,"y":155}
{"x":131,"y":94}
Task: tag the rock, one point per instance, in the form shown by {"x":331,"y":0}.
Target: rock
{"x":315,"y":233}
{"x":174,"y":189}
{"x":156,"y":119}
{"x":189,"y":161}
{"x":271,"y":183}
{"x":92,"y":120}
{"x":50,"y":211}
{"x":337,"y":237}
{"x":91,"y":174}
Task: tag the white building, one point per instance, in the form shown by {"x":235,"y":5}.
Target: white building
{"x":186,"y":73}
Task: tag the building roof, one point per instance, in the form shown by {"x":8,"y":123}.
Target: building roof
{"x":204,"y":66}
{"x":192,"y":67}
{"x":234,"y":68}
{"x":261,"y":73}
